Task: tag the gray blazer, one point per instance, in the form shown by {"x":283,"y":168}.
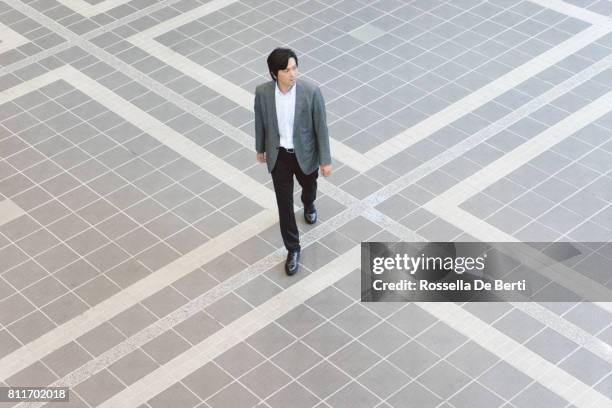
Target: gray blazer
{"x":310,"y":135}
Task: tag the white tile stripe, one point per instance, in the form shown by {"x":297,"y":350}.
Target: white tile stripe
{"x":231,"y":176}
{"x":566,"y":328}
{"x":446,"y":204}
{"x":9,"y":211}
{"x":384,"y":151}
{"x":228,"y":89}
{"x":520,"y":357}
{"x":10,"y":39}
{"x":488,"y":337}
{"x":526,"y":152}
{"x":63,"y":334}
{"x":485,"y":94}
{"x":575,"y":11}
{"x":235,"y":332}
{"x":89,"y":10}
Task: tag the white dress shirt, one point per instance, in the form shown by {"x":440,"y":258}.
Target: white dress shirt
{"x":285,"y":112}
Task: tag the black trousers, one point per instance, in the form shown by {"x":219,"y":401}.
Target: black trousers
{"x":285,"y":168}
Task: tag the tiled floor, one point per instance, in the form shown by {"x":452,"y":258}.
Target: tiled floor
{"x":141,"y":263}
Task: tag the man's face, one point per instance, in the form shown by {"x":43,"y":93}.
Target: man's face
{"x":286,"y":77}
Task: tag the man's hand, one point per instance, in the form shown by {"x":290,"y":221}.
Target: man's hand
{"x":326,"y":170}
{"x":261,"y":157}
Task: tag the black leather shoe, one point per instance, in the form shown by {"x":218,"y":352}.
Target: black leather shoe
{"x":291,"y":266}
{"x":310,"y":217}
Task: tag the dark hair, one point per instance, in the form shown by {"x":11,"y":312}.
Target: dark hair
{"x":279,"y":59}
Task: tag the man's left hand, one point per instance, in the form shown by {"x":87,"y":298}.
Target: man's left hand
{"x":326,"y":170}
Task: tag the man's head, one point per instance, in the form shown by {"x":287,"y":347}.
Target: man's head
{"x":282,"y":64}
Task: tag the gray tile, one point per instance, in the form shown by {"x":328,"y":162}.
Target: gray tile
{"x":551,"y":345}
{"x":326,"y":339}
{"x":337,"y":242}
{"x":65,"y":308}
{"x":239,"y":359}
{"x":384,"y":339}
{"x":588,"y":316}
{"x":417,"y":394}
{"x":300,"y":320}
{"x":296,"y":359}
{"x":505,"y":380}
{"x":164,"y":301}
{"x":8,"y":343}
{"x":329,"y":302}
{"x":560,"y":219}
{"x":443,"y":379}
{"x":472,"y":359}
{"x":137,"y":240}
{"x":323,"y":379}
{"x":441,"y":339}
{"x":265,"y":380}
{"x":24,"y":275}
{"x":354,"y":395}
{"x":413,"y":359}
{"x":537,"y":394}
{"x":233,"y":396}
{"x":132,"y":366}
{"x":224,"y":266}
{"x":394,"y":379}
{"x":241,"y":209}
{"x":197,"y":327}
{"x":207,"y":380}
{"x":258,"y":291}
{"x":356,"y":320}
{"x":228,"y":308}
{"x":475,"y":396}
{"x":132,"y":320}
{"x":253,"y":249}
{"x":177,"y":394}
{"x":294,"y":395}
{"x":98,"y":387}
{"x":359,"y":229}
{"x":165,"y":347}
{"x":157,"y":256}
{"x":508,"y":220}
{"x":35,"y":373}
{"x":195,"y":283}
{"x":56,"y":258}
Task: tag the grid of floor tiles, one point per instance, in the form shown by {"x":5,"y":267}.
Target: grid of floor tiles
{"x":140,"y":258}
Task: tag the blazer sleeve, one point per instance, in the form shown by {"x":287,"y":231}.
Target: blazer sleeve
{"x":320,"y":128}
{"x":260,"y":133}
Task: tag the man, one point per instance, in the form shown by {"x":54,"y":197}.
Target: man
{"x":291,"y":137}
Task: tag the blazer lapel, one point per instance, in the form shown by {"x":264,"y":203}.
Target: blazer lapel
{"x":298,"y":107}
{"x":275,"y":116}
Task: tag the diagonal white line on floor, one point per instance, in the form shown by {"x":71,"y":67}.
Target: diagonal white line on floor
{"x":10,"y":39}
{"x":235,"y":93}
{"x":566,"y":328}
{"x":235,"y":332}
{"x":515,"y":354}
{"x":89,"y":10}
{"x":485,"y":94}
{"x":9,"y":211}
{"x":446,"y":204}
{"x":523,"y":153}
{"x":575,"y":12}
{"x":45,"y":344}
{"x":111,"y":307}
{"x":233,"y":177}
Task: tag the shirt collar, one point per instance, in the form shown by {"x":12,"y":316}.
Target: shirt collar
{"x":279,"y":93}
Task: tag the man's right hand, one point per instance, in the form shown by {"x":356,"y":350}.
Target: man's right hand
{"x":261,"y":157}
